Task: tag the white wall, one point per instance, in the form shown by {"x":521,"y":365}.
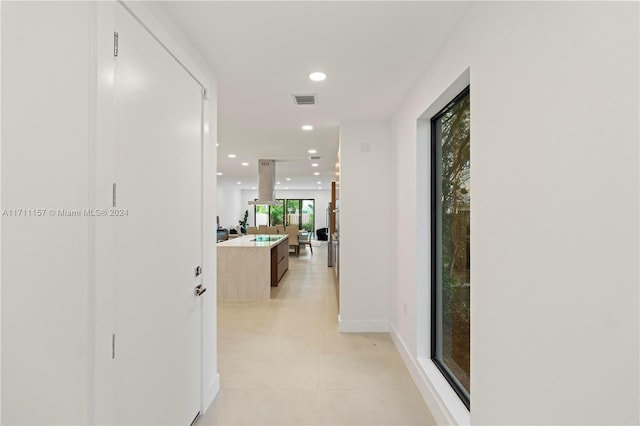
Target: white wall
{"x":46,"y":303}
{"x":365,"y":226}
{"x":322,"y":199}
{"x":230,"y":206}
{"x":554,"y":139}
{"x":49,"y":299}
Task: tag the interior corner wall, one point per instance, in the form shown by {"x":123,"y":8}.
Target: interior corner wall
{"x":365,"y":226}
{"x":555,"y":207}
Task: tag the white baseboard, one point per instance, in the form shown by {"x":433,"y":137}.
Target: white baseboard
{"x":363,"y":326}
{"x":211,"y":393}
{"x":444,"y":404}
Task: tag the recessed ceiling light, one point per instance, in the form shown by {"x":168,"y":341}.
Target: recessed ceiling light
{"x":239,"y":183}
{"x":307,"y":127}
{"x":317,"y":173}
{"x":312,"y":151}
{"x":245,"y":164}
{"x":319,"y":183}
{"x":319,"y":187}
{"x":286,"y":187}
{"x":277,"y":183}
{"x":219,"y":173}
{"x":288,"y":178}
{"x":317,"y":76}
{"x":231,"y":156}
{"x":314,"y":165}
{"x":217,"y":144}
{"x":253,"y":187}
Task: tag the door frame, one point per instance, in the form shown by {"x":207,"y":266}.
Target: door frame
{"x":102,"y":238}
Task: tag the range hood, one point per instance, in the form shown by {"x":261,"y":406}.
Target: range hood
{"x":266,"y":184}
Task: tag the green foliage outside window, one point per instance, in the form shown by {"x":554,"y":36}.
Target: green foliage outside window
{"x":276,"y":215}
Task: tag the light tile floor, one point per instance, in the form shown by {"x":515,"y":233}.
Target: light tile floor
{"x":283,"y":361}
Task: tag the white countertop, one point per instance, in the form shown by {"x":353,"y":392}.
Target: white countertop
{"x":246,"y":241}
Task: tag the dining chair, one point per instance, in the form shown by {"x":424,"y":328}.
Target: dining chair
{"x":292,"y":232}
{"x":304,"y":239}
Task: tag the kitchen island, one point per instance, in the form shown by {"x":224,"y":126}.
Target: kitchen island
{"x":250,"y":265}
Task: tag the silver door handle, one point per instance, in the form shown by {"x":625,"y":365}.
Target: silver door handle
{"x":199,"y":291}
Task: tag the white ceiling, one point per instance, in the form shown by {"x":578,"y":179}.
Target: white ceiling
{"x":262,"y":52}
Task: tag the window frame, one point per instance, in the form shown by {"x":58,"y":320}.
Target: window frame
{"x":255,"y":208}
{"x":435,"y":167}
{"x":284,"y":212}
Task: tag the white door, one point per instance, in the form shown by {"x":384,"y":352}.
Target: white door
{"x":158,"y":178}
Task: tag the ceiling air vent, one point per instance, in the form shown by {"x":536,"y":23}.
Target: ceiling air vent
{"x":314,"y":157}
{"x":305,"y":99}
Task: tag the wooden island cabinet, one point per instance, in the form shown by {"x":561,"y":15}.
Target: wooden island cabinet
{"x":279,"y":261}
{"x":250,"y":265}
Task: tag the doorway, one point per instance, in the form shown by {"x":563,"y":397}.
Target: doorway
{"x":156,"y":243}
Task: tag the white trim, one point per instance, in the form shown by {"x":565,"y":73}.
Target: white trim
{"x":436,"y":391}
{"x":423,"y":204}
{"x":211,"y":393}
{"x":0,"y":197}
{"x":444,"y":404}
{"x":210,"y":375}
{"x":363,"y":326}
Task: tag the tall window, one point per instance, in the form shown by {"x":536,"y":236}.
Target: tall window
{"x":276,"y":214}
{"x":450,"y":251}
{"x":301,"y":212}
{"x":288,"y":212}
{"x":293,"y":212}
{"x":307,"y":220}
{"x":269,"y":215}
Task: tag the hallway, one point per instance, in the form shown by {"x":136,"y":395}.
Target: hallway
{"x":284,"y":362}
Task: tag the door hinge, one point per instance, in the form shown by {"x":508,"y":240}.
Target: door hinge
{"x":115,"y":43}
{"x":205,"y":94}
{"x":113,"y":201}
{"x":113,"y":346}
